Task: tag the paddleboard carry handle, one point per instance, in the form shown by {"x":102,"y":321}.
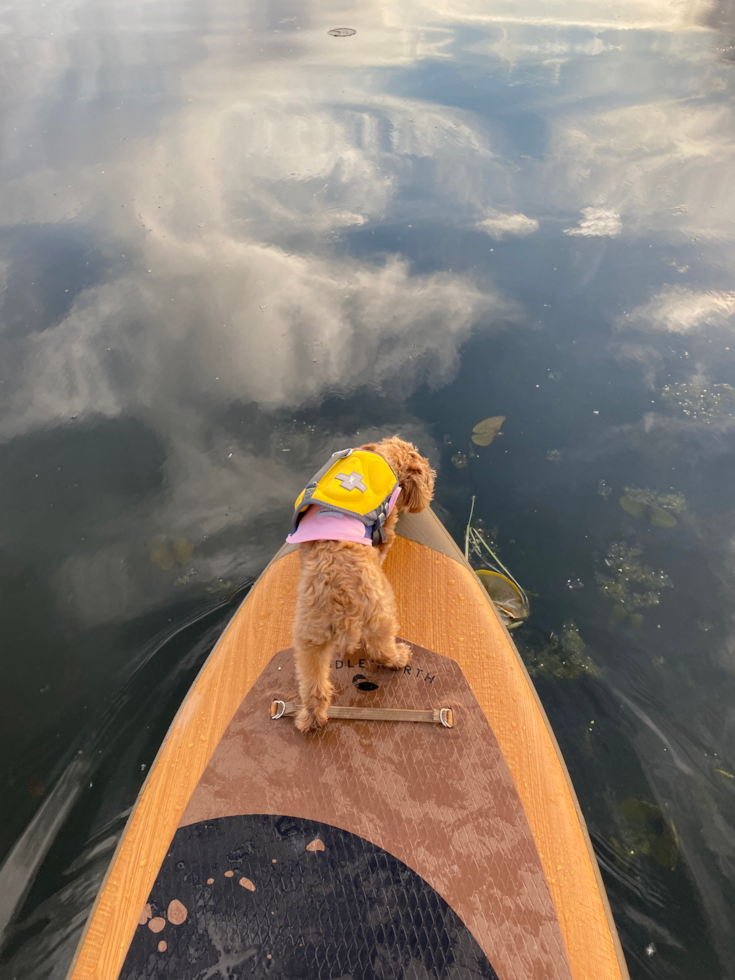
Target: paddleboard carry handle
{"x":433,"y":716}
{"x":277,"y":709}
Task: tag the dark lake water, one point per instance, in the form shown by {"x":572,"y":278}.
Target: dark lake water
{"x":231,"y":243}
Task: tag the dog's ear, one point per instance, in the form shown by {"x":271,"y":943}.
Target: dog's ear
{"x":414,"y":473}
{"x":417,"y":485}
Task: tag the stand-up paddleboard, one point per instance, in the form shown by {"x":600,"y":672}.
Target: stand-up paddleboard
{"x":430,"y":831}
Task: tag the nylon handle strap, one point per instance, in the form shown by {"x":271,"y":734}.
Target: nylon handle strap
{"x":434,"y":716}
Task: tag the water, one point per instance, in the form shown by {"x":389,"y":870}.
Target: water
{"x":232,"y":243}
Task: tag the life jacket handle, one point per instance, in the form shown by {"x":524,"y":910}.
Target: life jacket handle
{"x":340,"y":454}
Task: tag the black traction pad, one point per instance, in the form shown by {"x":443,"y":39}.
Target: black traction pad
{"x":278,"y":897}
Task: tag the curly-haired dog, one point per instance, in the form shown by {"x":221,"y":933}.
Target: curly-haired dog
{"x":345,"y":603}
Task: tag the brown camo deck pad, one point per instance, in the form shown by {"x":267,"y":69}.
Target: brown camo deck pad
{"x":441,"y":801}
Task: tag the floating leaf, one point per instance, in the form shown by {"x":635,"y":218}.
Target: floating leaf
{"x":161,"y":555}
{"x":643,"y":503}
{"x":460,"y":460}
{"x":633,"y":507}
{"x":486,"y":431}
{"x":492,"y":424}
{"x":182,"y":549}
{"x":675,"y":502}
{"x":662,"y":518}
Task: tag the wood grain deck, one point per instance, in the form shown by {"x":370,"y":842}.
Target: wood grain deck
{"x":443,"y":608}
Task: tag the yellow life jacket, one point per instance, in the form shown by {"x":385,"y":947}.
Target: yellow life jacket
{"x":355,"y":482}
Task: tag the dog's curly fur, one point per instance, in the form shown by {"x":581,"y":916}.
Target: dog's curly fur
{"x":345,"y":603}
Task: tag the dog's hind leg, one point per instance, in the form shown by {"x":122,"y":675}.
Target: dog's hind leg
{"x":315,"y":688}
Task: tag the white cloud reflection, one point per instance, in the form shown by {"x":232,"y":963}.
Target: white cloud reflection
{"x":229,"y":283}
{"x":597,"y":222}
{"x":678,"y":309}
{"x":499,"y":225}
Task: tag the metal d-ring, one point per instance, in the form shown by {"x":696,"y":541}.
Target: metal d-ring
{"x":444,"y":717}
{"x":281,"y":707}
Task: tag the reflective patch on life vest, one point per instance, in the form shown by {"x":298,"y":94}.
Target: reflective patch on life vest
{"x":352,"y":482}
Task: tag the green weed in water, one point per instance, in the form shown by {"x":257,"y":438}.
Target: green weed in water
{"x":629,"y":583}
{"x":700,"y":400}
{"x":564,"y":657}
{"x":167,"y":552}
{"x":647,"y":831}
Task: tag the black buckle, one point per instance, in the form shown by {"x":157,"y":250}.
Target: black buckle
{"x":378,"y":536}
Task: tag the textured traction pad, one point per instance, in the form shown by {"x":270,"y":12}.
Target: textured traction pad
{"x":316,"y":902}
{"x":439,"y":803}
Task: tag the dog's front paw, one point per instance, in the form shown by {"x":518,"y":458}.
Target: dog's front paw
{"x":311,"y":717}
{"x":400,"y":659}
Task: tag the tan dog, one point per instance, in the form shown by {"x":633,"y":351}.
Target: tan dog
{"x":345,"y":603}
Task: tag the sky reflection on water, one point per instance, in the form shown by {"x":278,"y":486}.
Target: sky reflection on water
{"x":451,"y":214}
